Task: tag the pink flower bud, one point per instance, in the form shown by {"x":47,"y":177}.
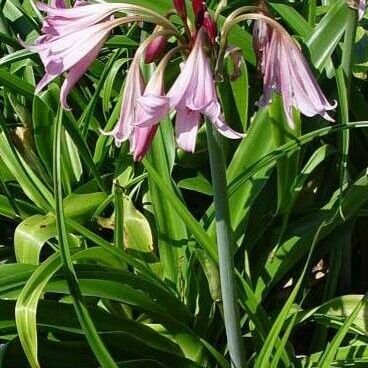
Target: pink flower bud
{"x":155,"y":49}
{"x":210,"y":27}
{"x":180,"y":7}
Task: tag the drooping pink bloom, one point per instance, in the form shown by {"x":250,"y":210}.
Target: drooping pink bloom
{"x":193,"y":94}
{"x":286,"y":71}
{"x":133,"y":89}
{"x":71,"y":41}
{"x":142,"y":109}
{"x":153,"y":105}
{"x":151,"y":108}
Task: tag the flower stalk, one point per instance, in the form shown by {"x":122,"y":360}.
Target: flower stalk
{"x":225,"y":250}
{"x":349,"y":40}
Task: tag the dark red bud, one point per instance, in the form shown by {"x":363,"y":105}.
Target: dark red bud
{"x":155,"y":49}
{"x":180,"y":7}
{"x":198,"y":7}
{"x":210,"y":27}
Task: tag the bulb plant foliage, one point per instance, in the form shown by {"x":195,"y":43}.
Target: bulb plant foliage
{"x":183,"y":184}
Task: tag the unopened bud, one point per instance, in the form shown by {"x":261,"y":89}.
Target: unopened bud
{"x":198,"y":7}
{"x":155,"y":49}
{"x":180,"y":7}
{"x":210,"y":27}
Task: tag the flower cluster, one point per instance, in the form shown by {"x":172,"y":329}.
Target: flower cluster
{"x":73,"y":37}
{"x":286,"y":71}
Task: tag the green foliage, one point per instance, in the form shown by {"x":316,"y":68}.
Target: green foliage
{"x":106,"y":262}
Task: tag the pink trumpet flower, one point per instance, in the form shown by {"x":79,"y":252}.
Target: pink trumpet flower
{"x":142,"y":109}
{"x":151,"y":108}
{"x":286,"y":71}
{"x":71,"y":41}
{"x":133,"y":89}
{"x":193,"y":94}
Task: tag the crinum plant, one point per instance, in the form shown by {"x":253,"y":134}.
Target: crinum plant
{"x":180,"y":281}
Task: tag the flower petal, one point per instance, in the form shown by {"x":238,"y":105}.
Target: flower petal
{"x":151,"y":109}
{"x":186,"y":127}
{"x":76,"y":72}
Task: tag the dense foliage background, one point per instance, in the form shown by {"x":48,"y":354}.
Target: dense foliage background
{"x":142,"y":236}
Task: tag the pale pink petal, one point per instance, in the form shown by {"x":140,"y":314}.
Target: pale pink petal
{"x":62,"y":21}
{"x":189,"y":70}
{"x":151,"y":109}
{"x":76,"y":72}
{"x":153,"y":106}
{"x":45,"y":80}
{"x":186,"y":127}
{"x":213,"y":112}
{"x":225,"y":130}
{"x":133,"y":89}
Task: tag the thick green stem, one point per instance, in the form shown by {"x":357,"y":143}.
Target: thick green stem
{"x":225,"y":251}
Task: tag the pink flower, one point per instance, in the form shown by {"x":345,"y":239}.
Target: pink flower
{"x":286,"y":71}
{"x":71,"y":41}
{"x":62,"y":21}
{"x":194,"y":94}
{"x":153,"y":105}
{"x":142,"y":109}
{"x":133,"y":89}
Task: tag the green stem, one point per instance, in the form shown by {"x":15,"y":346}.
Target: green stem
{"x":344,"y":83}
{"x":225,"y":251}
{"x":312,"y":7}
{"x":94,"y":340}
{"x":349,"y":41}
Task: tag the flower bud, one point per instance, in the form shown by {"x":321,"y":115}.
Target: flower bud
{"x":180,"y":7}
{"x":198,"y":7}
{"x":155,"y":49}
{"x":210,"y":27}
